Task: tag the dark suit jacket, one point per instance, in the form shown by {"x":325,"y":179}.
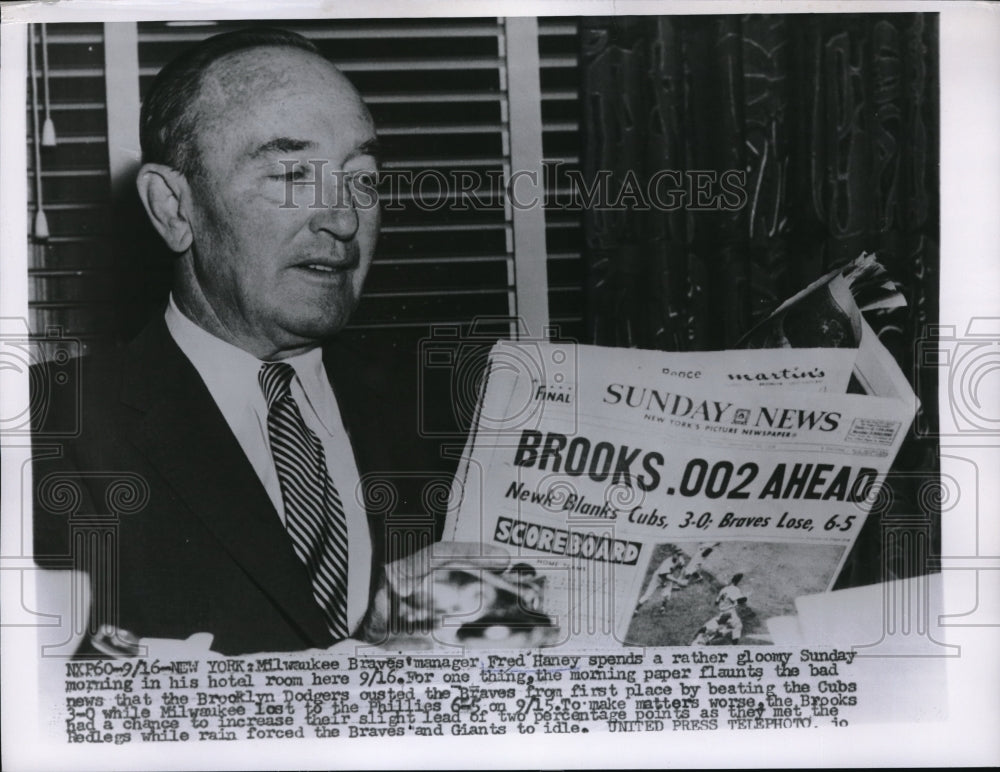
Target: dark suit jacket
{"x":156,"y":501}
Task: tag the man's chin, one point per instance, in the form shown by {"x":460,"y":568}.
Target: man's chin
{"x":315,"y":331}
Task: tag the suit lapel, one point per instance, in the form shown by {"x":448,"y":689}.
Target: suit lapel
{"x":185,"y":436}
{"x":362,"y":408}
{"x":363,"y":403}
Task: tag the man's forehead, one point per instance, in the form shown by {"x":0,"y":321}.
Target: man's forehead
{"x":246,"y":77}
{"x":258,"y":94}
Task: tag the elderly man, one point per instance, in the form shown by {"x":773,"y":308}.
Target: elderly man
{"x":242,"y":439}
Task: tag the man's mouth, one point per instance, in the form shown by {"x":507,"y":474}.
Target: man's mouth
{"x":327,"y":268}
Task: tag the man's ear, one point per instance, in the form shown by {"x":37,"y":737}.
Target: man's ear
{"x":162,"y":191}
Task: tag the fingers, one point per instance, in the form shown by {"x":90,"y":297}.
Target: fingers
{"x":406,"y":576}
{"x":197,"y":645}
{"x":115,"y":642}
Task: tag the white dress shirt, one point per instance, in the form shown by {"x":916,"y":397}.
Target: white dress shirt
{"x":230,"y":373}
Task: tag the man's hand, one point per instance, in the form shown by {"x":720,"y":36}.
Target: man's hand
{"x":425,"y":579}
{"x":115,"y":642}
{"x":456,"y":593}
{"x":408,"y":600}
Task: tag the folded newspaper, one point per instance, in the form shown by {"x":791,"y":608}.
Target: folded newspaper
{"x":686,"y":498}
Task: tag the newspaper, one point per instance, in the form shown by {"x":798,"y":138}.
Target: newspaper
{"x":677,"y":498}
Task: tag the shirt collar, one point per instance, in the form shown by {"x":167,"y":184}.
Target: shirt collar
{"x":231,"y":373}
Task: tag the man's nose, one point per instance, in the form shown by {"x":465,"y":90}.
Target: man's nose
{"x":337,"y":214}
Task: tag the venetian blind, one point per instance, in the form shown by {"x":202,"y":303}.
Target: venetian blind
{"x":438,"y":92}
{"x":69,"y":271}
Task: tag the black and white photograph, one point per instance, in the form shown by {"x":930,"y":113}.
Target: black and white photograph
{"x":518,"y":372}
{"x":710,"y":594}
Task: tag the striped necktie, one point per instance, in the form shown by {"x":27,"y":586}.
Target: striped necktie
{"x":314,"y":514}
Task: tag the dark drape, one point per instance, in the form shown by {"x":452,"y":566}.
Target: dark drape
{"x":828,"y":124}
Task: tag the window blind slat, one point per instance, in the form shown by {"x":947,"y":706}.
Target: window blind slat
{"x":433,"y":97}
{"x":346,"y":34}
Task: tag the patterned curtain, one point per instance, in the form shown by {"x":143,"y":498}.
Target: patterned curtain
{"x":779,"y":147}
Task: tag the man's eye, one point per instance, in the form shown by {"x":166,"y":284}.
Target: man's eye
{"x":296,"y":174}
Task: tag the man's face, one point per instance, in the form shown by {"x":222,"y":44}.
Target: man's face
{"x":272,"y":272}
